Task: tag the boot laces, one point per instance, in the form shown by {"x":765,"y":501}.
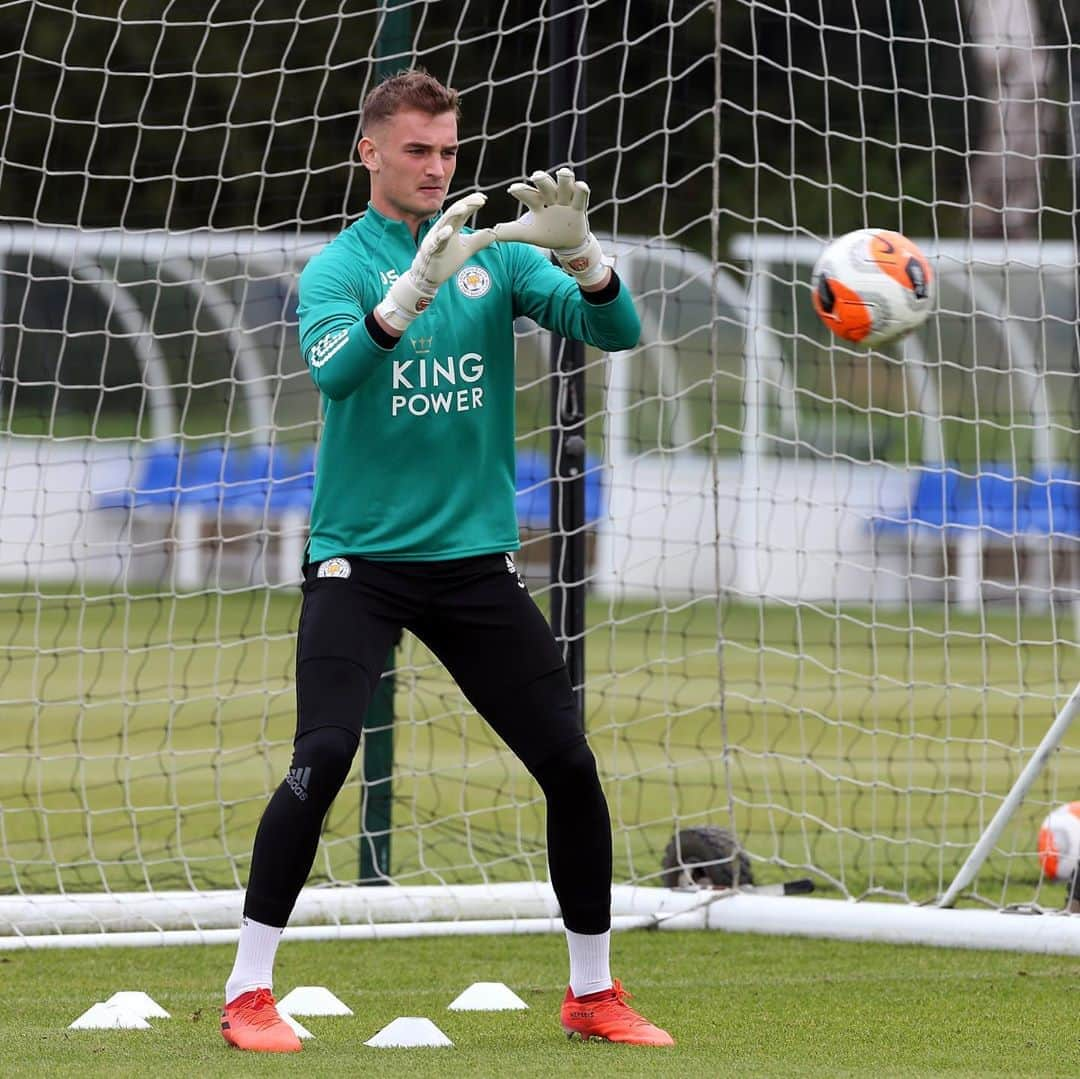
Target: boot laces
{"x":620,"y":998}
{"x":260,"y":1011}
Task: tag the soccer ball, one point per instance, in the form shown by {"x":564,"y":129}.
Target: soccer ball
{"x":1059,"y":842}
{"x":872,"y":286}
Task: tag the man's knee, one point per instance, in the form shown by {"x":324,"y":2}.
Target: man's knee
{"x":570,"y":769}
{"x":320,"y":765}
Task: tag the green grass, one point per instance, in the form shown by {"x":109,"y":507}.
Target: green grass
{"x":736,"y":1005}
{"x":865,"y":748}
{"x":851,"y":745}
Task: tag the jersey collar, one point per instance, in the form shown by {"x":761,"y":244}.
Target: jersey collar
{"x":394,"y":226}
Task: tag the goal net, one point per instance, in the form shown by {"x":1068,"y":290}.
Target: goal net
{"x":796,"y":644}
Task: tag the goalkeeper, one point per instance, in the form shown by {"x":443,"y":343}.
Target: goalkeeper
{"x":406,"y":323}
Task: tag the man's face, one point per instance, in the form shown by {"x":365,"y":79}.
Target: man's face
{"x":411,"y":158}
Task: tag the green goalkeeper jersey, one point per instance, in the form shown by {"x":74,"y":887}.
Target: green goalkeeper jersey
{"x":417,"y":456}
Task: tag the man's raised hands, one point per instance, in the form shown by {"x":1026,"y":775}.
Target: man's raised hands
{"x":556,"y":218}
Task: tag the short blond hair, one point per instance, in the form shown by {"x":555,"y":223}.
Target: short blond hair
{"x":412,"y":89}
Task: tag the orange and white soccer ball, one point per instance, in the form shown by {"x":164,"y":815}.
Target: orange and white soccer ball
{"x":1059,"y":842}
{"x":871,"y":286}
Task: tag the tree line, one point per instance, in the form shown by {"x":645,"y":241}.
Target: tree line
{"x":228,"y":114}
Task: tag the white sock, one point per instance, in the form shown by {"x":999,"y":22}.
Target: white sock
{"x":254,"y":966}
{"x":590,"y":963}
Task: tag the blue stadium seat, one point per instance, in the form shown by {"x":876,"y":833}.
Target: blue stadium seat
{"x":292,"y":480}
{"x":1054,"y":503}
{"x":177,"y":473}
{"x":270,"y":479}
{"x":533,"y":487}
{"x":156,"y":481}
{"x":997,"y":506}
{"x":200,"y":474}
{"x":209,"y":475}
{"x":533,"y":490}
{"x":939,"y":498}
{"x":245,"y":477}
{"x":996,"y":501}
{"x":195,"y":481}
{"x":1000,"y":502}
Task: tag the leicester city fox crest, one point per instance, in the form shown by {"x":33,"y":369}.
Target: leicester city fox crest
{"x":474,"y":282}
{"x":335,"y":567}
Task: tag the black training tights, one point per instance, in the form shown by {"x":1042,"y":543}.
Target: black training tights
{"x":477,"y":616}
{"x":578,"y":830}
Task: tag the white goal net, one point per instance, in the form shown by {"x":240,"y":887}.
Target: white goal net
{"x":832,"y":594}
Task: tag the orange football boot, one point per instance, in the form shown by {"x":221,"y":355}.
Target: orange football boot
{"x":252,"y":1021}
{"x":607,"y":1016}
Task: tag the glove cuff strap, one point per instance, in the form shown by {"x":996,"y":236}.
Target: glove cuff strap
{"x":586,"y":262}
{"x":404,"y":302}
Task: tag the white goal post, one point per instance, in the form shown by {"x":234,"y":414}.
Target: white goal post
{"x":782,"y":645}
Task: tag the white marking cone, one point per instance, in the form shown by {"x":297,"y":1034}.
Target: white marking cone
{"x":487,"y":997}
{"x":102,"y":1016}
{"x":312,"y":1000}
{"x":295,"y":1025}
{"x":142,"y":1004}
{"x":409,"y":1032}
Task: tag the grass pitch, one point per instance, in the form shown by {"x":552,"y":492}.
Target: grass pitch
{"x":856,"y":743}
{"x":736,"y":1005}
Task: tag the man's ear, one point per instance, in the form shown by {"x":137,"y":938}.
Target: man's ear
{"x":368,"y":154}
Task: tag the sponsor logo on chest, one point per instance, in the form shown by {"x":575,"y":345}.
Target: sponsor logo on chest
{"x":427,"y":385}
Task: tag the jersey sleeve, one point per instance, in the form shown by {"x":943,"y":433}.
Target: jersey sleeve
{"x":334,"y":340}
{"x":551,"y":297}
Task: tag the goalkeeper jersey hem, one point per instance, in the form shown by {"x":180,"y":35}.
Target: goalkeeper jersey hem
{"x":433,"y":555}
{"x":417,"y":454}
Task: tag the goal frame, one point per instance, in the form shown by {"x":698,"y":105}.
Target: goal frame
{"x":346,"y":911}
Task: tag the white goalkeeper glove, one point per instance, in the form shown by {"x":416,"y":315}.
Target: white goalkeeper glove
{"x":443,"y":251}
{"x":555,"y":218}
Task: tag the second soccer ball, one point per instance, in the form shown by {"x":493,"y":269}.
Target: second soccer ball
{"x":871,"y":286}
{"x":1059,"y":842}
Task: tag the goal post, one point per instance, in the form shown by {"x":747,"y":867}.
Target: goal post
{"x":781,"y":639}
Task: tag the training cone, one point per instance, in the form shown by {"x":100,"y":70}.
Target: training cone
{"x":312,"y":1000}
{"x":487,"y":997}
{"x":104,"y":1016}
{"x":409,"y":1032}
{"x":295,"y":1026}
{"x":142,"y":1004}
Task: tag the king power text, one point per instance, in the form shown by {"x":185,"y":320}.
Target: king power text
{"x":427,"y":385}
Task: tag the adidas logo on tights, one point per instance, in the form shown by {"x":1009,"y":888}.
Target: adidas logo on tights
{"x":298,"y":778}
